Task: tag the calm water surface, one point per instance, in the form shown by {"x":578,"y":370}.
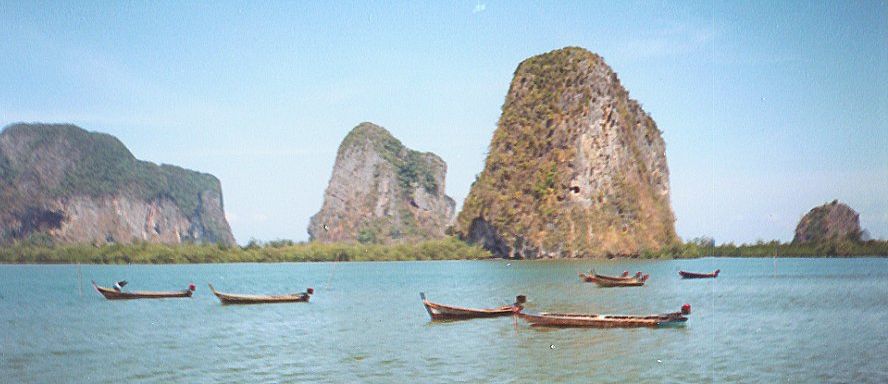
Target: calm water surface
{"x":762,"y":320}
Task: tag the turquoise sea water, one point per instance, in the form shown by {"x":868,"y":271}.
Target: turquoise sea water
{"x":761,"y":320}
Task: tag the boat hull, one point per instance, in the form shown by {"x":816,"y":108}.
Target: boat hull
{"x":230,"y":298}
{"x":692,"y":275}
{"x":612,"y":282}
{"x":445,"y":312}
{"x":448,"y":312}
{"x":575,"y":320}
{"x":112,"y":294}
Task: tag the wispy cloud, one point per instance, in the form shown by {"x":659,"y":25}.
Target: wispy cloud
{"x":114,"y":93}
{"x":677,"y":40}
{"x":259,"y":152}
{"x":479,"y":8}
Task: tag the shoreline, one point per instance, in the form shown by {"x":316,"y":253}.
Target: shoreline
{"x":385,"y":260}
{"x":443,"y":249}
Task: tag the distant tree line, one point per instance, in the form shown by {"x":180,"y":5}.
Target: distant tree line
{"x":703,"y":247}
{"x":41,"y":251}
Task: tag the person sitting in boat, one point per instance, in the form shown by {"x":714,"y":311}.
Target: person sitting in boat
{"x":118,"y":286}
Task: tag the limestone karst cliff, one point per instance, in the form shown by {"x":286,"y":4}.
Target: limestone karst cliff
{"x":575,"y":167}
{"x":833,"y":221}
{"x":73,"y":186}
{"x":382,"y":192}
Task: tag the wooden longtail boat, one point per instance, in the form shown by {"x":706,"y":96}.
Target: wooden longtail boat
{"x":608,"y":281}
{"x":230,"y":298}
{"x":112,"y":294}
{"x":605,"y":321}
{"x":449,"y":312}
{"x":693,"y":275}
{"x":624,"y":276}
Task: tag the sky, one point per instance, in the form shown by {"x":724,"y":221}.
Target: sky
{"x":768,"y":109}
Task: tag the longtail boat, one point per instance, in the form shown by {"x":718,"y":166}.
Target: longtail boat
{"x":113,"y":294}
{"x":230,"y":298}
{"x":609,"y":281}
{"x":693,"y":275}
{"x":624,"y":277}
{"x":546,"y":319}
{"x":449,"y":312}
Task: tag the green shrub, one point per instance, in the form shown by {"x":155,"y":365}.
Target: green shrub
{"x":275,"y":251}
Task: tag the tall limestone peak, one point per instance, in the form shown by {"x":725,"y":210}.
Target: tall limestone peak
{"x":382,"y":192}
{"x":575,"y":167}
{"x":75,"y":186}
{"x":833,"y":221}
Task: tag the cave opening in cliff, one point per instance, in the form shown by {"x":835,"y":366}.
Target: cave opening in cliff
{"x":39,"y":220}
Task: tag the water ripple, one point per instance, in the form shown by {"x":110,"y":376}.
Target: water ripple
{"x":812,"y":321}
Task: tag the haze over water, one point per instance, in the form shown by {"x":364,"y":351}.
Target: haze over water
{"x":767,"y":108}
{"x":761,"y":320}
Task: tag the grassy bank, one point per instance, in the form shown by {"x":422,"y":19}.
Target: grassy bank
{"x":275,"y":251}
{"x":773,"y":248}
{"x":446,"y":249}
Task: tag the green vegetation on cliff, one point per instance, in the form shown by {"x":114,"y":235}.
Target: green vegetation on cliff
{"x":276,"y":251}
{"x":98,"y":164}
{"x":522,"y":176}
{"x":44,"y":166}
{"x":410,"y":166}
{"x":833,"y":222}
{"x":575,"y":168}
{"x":7,"y":174}
{"x":381,"y":192}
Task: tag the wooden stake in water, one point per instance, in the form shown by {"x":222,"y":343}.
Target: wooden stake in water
{"x":332,"y":273}
{"x":79,"y":279}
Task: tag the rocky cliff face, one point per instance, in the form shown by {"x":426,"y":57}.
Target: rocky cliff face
{"x":382,"y":192}
{"x":575,"y":168}
{"x":834,"y":221}
{"x":86,"y":187}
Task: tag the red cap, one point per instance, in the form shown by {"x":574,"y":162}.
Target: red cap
{"x":191,"y":287}
{"x":310,"y":291}
{"x":686,"y":309}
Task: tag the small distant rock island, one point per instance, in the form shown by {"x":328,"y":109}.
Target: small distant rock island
{"x":67,"y":185}
{"x":575,"y":167}
{"x":382,"y":192}
{"x":829,"y":222}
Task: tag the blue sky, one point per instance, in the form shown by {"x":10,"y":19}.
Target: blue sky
{"x":768,"y":109}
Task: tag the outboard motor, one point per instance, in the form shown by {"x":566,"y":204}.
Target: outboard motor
{"x":519,"y":301}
